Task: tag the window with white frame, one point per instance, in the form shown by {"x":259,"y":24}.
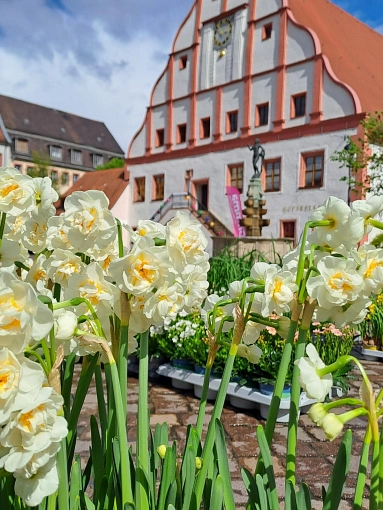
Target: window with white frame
{"x":76,"y":157}
{"x":98,"y":159}
{"x":56,"y":152}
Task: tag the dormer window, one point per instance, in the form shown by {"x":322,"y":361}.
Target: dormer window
{"x":98,"y":160}
{"x":56,"y":152}
{"x":75,"y":157}
{"x":21,"y":145}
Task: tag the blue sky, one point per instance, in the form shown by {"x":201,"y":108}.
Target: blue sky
{"x":100,"y":58}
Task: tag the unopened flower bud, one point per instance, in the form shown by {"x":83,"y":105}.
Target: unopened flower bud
{"x":198,"y":463}
{"x":317,"y":412}
{"x":332,"y":426}
{"x":283,"y":326}
{"x":161,"y":450}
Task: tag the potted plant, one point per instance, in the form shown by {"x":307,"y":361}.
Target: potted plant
{"x":371,"y":329}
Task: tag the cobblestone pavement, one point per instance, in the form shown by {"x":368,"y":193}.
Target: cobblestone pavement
{"x":316,"y":455}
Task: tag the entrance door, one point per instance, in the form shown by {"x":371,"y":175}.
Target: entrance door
{"x":200,"y":189}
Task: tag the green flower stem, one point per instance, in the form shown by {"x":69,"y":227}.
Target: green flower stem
{"x":101,"y":400}
{"x":142,"y":498}
{"x":40,"y":359}
{"x":344,"y":402}
{"x":302,"y":256}
{"x":202,"y":405}
{"x":339,"y":363}
{"x":375,"y":489}
{"x":119,"y":237}
{"x":362,"y":471}
{"x":292,"y":433}
{"x":122,"y":361}
{"x":126,"y":488}
{"x":47,"y":354}
{"x":63,"y":493}
{"x":2,"y":225}
{"x":210,"y":437}
{"x":52,"y":338}
{"x":76,"y":302}
{"x":255,"y":317}
{"x":375,"y":223}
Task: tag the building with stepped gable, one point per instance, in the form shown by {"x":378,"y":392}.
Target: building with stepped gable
{"x":299,"y":75}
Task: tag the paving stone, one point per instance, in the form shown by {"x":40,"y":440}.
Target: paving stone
{"x":170,"y":419}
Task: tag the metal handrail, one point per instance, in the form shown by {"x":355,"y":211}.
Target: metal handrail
{"x":174,"y":201}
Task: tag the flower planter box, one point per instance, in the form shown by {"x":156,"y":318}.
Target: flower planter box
{"x":242,"y":397}
{"x":369,"y":354}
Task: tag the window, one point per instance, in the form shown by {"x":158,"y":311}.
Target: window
{"x":75,"y":178}
{"x":288,"y":229}
{"x":267,"y":30}
{"x":272,"y":171}
{"x":56,"y":152}
{"x":262,"y":115}
{"x":181,"y":133}
{"x":205,"y":128}
{"x":76,"y":157}
{"x":54,"y":175}
{"x":298,"y":106}
{"x":160,"y":137}
{"x":183,"y":62}
{"x":139,"y":189}
{"x":21,"y":146}
{"x":312,"y":170}
{"x":158,"y":187}
{"x":98,"y":160}
{"x":17,"y":167}
{"x":236,"y":176}
{"x":64,"y":178}
{"x":30,"y":170}
{"x":232,"y":122}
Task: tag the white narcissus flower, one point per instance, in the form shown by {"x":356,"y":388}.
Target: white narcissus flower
{"x":87,"y":220}
{"x":17,"y":192}
{"x":61,"y":265}
{"x":167,"y":301}
{"x":252,"y":332}
{"x":315,"y":386}
{"x":371,"y":269}
{"x":138,"y":322}
{"x":337,"y":283}
{"x":146,"y":228}
{"x":221,"y":312}
{"x":279,"y":292}
{"x":45,"y":197}
{"x":34,"y":236}
{"x":145,"y":268}
{"x":259,"y":270}
{"x":185,"y":241}
{"x":65,"y":325}
{"x":10,"y":251}
{"x":341,"y":316}
{"x":317,"y":412}
{"x":341,"y":230}
{"x":195,"y":285}
{"x":22,"y":316}
{"x":57,"y":235}
{"x":20,"y":380}
{"x":90,"y":284}
{"x":33,"y":485}
{"x":15,"y":225}
{"x":251,"y":352}
{"x":367,"y":209}
{"x":37,"y":275}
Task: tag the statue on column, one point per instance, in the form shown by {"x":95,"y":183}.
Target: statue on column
{"x":258,"y":157}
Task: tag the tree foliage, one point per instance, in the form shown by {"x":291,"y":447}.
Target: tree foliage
{"x":366,"y":152}
{"x":113,"y":163}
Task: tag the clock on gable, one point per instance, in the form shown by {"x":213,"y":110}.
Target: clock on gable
{"x":222,"y":32}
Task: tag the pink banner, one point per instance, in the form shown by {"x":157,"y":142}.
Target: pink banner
{"x":234,"y":198}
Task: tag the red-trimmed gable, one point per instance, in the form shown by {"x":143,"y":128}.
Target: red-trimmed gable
{"x":355,"y":51}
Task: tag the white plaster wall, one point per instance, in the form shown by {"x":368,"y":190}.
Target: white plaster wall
{"x":266,"y":7}
{"x":158,"y":122}
{"x":336,"y":100}
{"x":238,"y":47}
{"x":232,"y":99}
{"x":223,"y":65}
{"x":300,"y":45}
{"x":138,"y":145}
{"x":299,"y":79}
{"x":181,"y":77}
{"x":205,"y":108}
{"x":186,"y":34}
{"x":263,"y":91}
{"x":181,"y":114}
{"x":5,"y":152}
{"x":291,"y":203}
{"x":207,"y":57}
{"x":161,"y":90}
{"x":231,"y":4}
{"x":265,"y":54}
{"x":210,"y":9}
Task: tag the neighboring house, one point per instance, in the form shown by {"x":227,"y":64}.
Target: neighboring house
{"x":297,"y":74}
{"x":5,"y":147}
{"x":112,"y":182}
{"x":75,"y":145}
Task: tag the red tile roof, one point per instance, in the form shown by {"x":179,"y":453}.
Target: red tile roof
{"x":110,"y":181}
{"x":355,"y":51}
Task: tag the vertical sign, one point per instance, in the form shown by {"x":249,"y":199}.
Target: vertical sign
{"x":235,"y":205}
